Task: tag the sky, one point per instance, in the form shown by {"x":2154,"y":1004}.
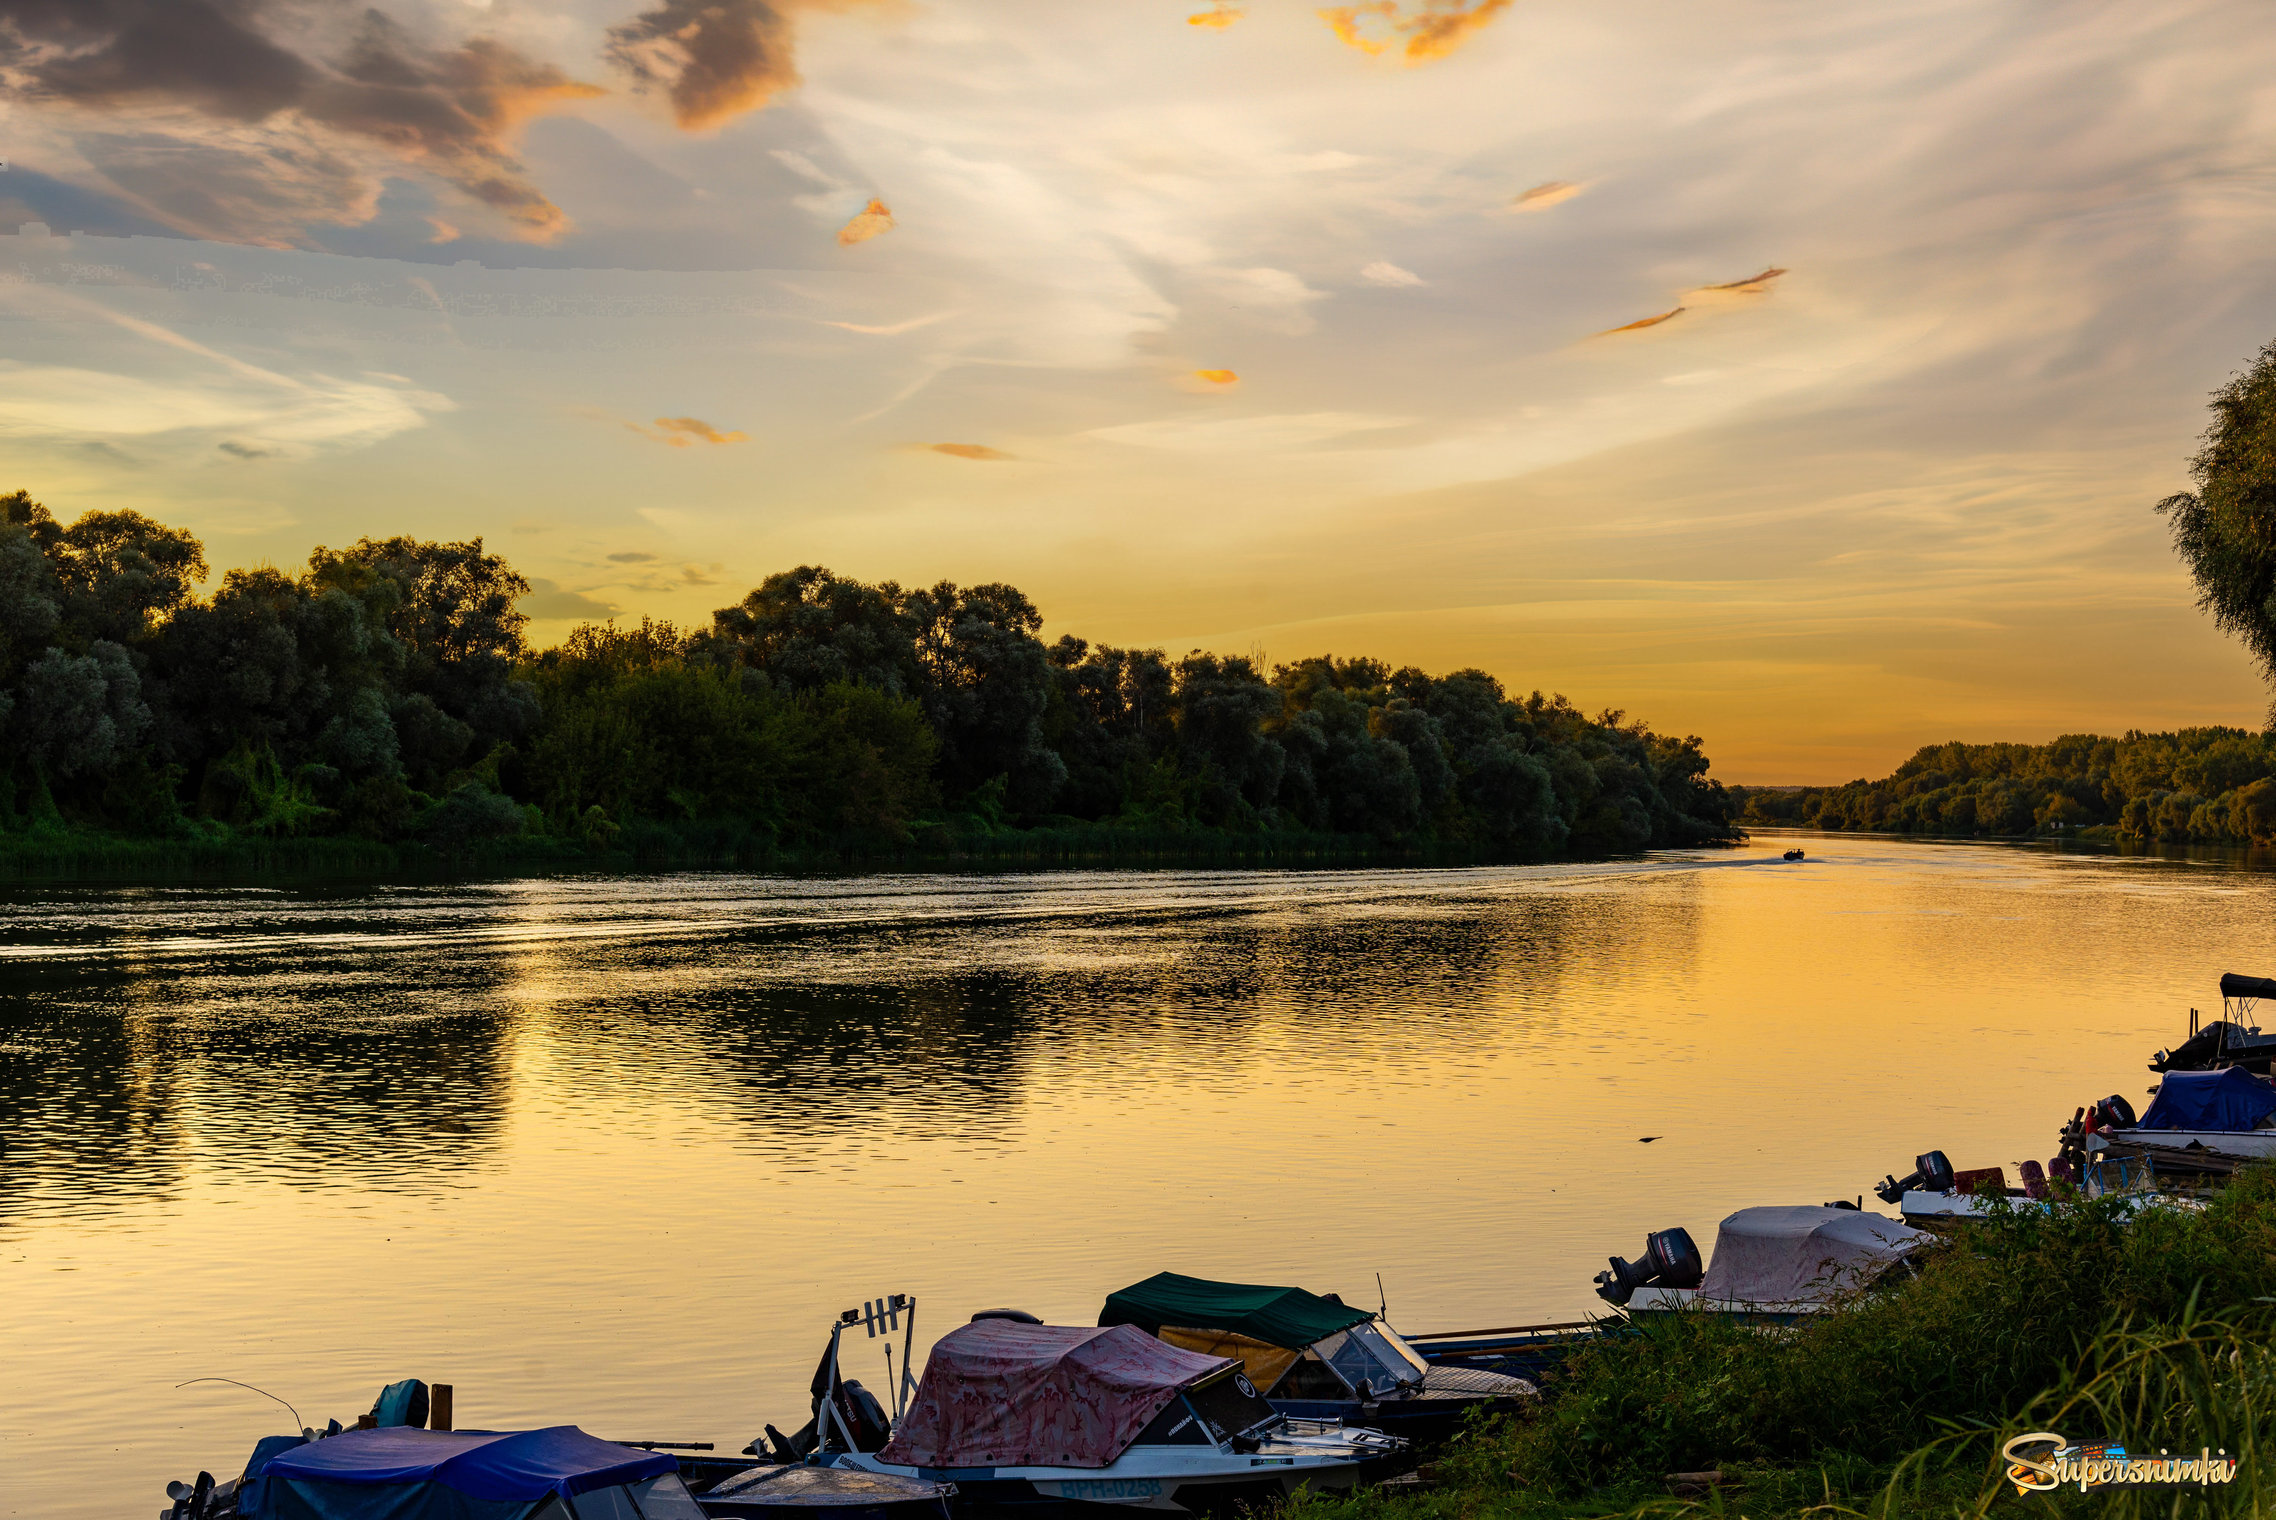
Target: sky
{"x":1253,"y":327}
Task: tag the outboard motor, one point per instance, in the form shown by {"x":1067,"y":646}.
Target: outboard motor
{"x":1670,"y":1260}
{"x":1931,"y":1173}
{"x":2115,"y":1113}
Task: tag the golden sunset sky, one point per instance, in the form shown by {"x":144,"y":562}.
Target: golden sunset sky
{"x":1254,"y":328}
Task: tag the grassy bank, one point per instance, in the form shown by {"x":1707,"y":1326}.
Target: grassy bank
{"x":2158,"y":1331}
{"x":957,"y":844}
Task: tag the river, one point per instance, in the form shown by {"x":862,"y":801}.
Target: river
{"x":614,"y":1150}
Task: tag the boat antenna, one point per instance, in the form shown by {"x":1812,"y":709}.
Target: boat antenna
{"x":263,"y":1392}
{"x":1382,"y":1304}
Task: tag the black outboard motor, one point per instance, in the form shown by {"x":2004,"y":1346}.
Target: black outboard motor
{"x":1670,"y":1260}
{"x":2114,"y":1112}
{"x":1930,"y":1174}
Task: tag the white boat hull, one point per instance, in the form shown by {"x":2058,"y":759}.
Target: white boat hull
{"x":1159,"y":1477}
{"x":2246,"y":1144}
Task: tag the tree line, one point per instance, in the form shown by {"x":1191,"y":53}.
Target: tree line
{"x":387,"y":692}
{"x":2195,"y":785}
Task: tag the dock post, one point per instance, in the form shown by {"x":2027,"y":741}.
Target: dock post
{"x":438,"y":1406}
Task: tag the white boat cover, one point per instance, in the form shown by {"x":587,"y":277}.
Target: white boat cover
{"x":1802,"y":1253}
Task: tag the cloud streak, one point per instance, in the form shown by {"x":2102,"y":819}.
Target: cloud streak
{"x":687,"y":432}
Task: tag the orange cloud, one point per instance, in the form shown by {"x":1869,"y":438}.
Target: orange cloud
{"x":1644,"y":322}
{"x":968,"y":451}
{"x":874,"y":219}
{"x":1551,"y":193}
{"x":1217,"y":376}
{"x":1431,"y":29}
{"x":684,"y":432}
{"x":1757,"y":283}
{"x":714,"y":58}
{"x":1221,"y":17}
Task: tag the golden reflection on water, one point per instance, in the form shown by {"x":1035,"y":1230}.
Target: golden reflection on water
{"x":613,"y":1151}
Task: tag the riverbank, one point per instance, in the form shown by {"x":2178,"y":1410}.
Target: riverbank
{"x":2153,"y":1329}
{"x":959,"y":844}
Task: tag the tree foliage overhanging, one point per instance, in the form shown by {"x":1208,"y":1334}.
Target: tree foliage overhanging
{"x":386,"y":692}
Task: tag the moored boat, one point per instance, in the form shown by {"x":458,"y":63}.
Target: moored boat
{"x":1314,"y":1356}
{"x":1079,"y":1416}
{"x":1776,"y":1263}
{"x":2228,"y":1112}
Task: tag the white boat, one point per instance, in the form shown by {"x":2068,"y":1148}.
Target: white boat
{"x":1775,"y":1263}
{"x":1087,"y":1415}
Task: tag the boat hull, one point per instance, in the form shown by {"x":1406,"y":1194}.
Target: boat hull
{"x":2247,"y":1144}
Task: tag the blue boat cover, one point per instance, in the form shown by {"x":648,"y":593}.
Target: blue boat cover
{"x":510,"y":1465}
{"x":2229,"y":1099}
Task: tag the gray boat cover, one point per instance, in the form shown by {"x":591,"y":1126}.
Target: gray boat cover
{"x":2235,"y":986}
{"x":1802,"y":1253}
{"x":1001,"y":1394}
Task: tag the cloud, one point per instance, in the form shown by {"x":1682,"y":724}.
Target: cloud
{"x":1541,"y":197}
{"x":548,"y":600}
{"x":1241,"y":435}
{"x":1273,"y":299}
{"x":1758,"y":282}
{"x":1642,"y":322}
{"x":872,"y":220}
{"x":213,"y":125}
{"x":713,"y":58}
{"x":1383,"y":273}
{"x":1218,"y":18}
{"x":700,"y":575}
{"x":1430,"y":28}
{"x":243,"y":450}
{"x":631,"y":557}
{"x":685,"y":432}
{"x":1215,"y":379}
{"x":893,"y":329}
{"x":276,"y":414}
{"x":969,"y":451}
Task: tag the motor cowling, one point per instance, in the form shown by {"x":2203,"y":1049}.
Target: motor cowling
{"x":2114,"y":1112}
{"x":1930,"y":1173}
{"x":1670,"y":1260}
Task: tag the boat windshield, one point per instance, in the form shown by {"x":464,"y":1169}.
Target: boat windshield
{"x":1364,"y":1352}
{"x":1398,"y":1343}
{"x":1230,"y":1405}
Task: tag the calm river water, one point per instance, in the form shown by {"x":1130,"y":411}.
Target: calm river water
{"x":615,"y":1150}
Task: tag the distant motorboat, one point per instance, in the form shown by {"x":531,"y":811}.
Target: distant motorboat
{"x":1793,"y":855}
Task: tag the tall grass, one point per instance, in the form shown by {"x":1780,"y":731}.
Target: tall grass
{"x":2155,"y":1327}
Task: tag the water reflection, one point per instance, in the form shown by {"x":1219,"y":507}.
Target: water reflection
{"x":338,"y":1040}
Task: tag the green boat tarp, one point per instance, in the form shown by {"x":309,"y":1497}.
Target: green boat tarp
{"x":1287,"y":1317}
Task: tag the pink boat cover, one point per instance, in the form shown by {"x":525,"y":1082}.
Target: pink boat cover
{"x":1001,"y":1394}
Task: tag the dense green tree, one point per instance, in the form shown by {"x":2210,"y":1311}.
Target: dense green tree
{"x":387,"y":691}
{"x":2225,"y":530}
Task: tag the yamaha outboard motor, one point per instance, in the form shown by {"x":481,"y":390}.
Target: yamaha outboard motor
{"x":1930,"y":1174}
{"x":1670,"y":1260}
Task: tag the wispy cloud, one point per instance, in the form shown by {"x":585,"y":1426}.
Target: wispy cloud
{"x":1541,"y":197}
{"x":1421,"y":31}
{"x":686,"y":432}
{"x":1382,"y":272}
{"x":866,"y":224}
{"x":968,"y":451}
